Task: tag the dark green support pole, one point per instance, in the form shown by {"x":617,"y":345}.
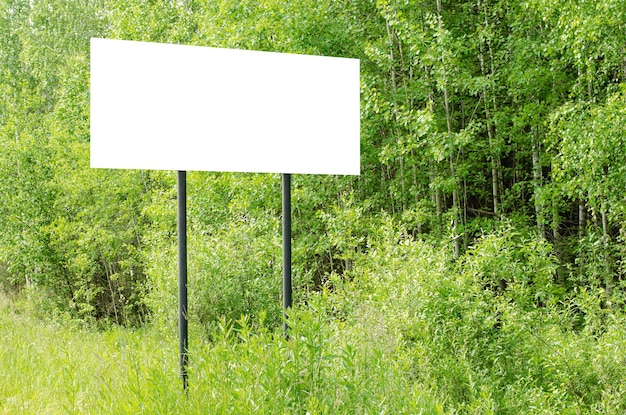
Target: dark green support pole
{"x":286,"y":185}
{"x":182,"y":276}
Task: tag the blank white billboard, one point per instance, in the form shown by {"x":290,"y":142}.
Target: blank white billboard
{"x":176,"y":107}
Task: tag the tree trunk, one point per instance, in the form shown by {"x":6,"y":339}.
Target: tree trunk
{"x":495,"y":157}
{"x":455,"y":191}
{"x":455,"y":213}
{"x":556,"y":224}
{"x":582,"y":217}
{"x":394,"y":87}
{"x":537,"y":181}
{"x":608,"y":269}
{"x":439,"y":204}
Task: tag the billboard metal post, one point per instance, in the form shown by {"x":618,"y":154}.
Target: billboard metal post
{"x":182,"y":276}
{"x":286,"y":187}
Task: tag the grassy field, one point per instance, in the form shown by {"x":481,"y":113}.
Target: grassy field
{"x":49,"y":368}
{"x":52,"y":368}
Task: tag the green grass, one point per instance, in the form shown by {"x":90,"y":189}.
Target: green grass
{"x":358,"y":365}
{"x":51,"y":368}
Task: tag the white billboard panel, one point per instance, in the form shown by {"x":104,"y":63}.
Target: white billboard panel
{"x":175,"y":107}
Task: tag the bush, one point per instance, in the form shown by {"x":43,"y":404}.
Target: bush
{"x":234,"y":251}
{"x":479,"y":346}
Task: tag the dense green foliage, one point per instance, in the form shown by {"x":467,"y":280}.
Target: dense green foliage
{"x":408,"y":334}
{"x":475,"y":266}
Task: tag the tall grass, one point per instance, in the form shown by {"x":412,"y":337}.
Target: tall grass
{"x":51,"y":368}
{"x":405,"y":331}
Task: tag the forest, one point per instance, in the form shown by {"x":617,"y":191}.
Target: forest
{"x":475,"y":266}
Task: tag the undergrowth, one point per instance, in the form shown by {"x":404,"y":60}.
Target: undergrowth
{"x":405,"y":331}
